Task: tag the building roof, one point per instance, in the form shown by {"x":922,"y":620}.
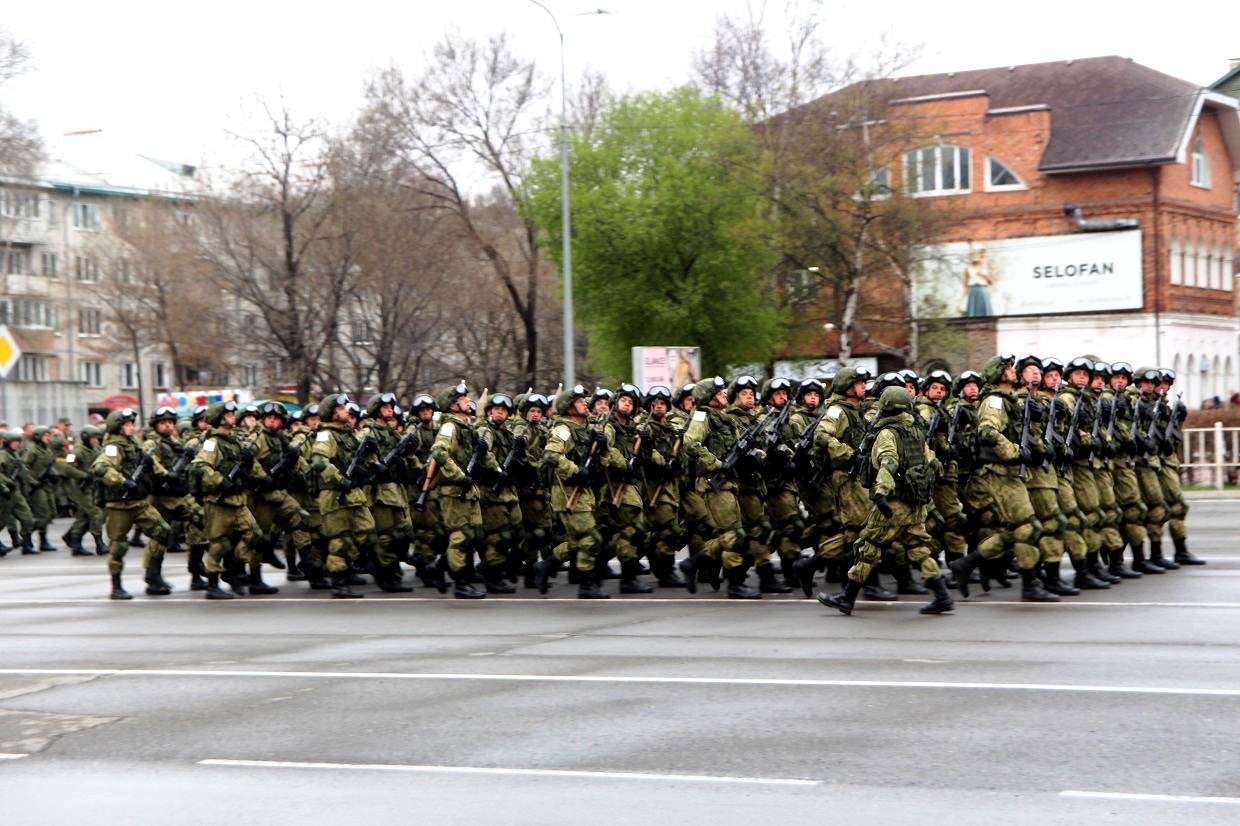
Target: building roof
{"x":1105,"y":111}
{"x":89,"y":162}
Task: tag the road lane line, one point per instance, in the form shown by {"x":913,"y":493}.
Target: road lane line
{"x":621,"y":680}
{"x":624,"y":603}
{"x":599,"y":775}
{"x":12,"y":756}
{"x":1158,"y":798}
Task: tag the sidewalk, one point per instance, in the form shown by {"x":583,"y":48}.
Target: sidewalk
{"x":1232,"y":493}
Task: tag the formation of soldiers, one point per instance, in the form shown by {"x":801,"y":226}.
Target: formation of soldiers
{"x":971,"y":479}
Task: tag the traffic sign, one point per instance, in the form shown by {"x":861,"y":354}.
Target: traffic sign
{"x":9,"y":352}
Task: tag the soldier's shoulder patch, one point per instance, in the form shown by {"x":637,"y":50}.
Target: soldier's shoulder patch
{"x":563,"y":433}
{"x":447,"y":430}
{"x":70,"y":459}
{"x":996,"y":403}
{"x":834,"y":413}
{"x":208,"y":446}
{"x":699,"y":415}
{"x":111,"y":452}
{"x":323,"y":436}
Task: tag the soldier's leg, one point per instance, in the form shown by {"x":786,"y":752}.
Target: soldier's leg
{"x":118,"y":522}
{"x":1155,"y":517}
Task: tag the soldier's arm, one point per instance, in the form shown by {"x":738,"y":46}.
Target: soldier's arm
{"x":107,"y":466}
{"x":554,"y":457}
{"x":694,"y":446}
{"x":991,"y":423}
{"x":443,"y":449}
{"x":321,"y":456}
{"x":206,"y":465}
{"x":830,"y":435}
{"x":886,"y":460}
{"x":613,"y":457}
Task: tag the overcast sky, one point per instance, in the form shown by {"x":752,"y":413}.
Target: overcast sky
{"x":166,"y":79}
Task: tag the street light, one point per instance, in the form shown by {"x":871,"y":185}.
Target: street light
{"x":565,"y":211}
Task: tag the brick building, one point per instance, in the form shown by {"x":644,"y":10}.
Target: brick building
{"x":1094,"y":207}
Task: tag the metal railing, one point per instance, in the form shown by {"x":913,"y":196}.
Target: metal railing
{"x":1211,"y":455}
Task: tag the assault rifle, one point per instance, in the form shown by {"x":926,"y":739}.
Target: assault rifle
{"x":617,"y":499}
{"x":510,"y":459}
{"x":481,"y":445}
{"x":177,"y":472}
{"x":1073,"y":443}
{"x":134,"y":483}
{"x":41,"y":479}
{"x":1111,"y":426}
{"x":587,"y":467}
{"x":235,"y":472}
{"x":802,"y":462}
{"x":1136,"y":432}
{"x":953,"y":430}
{"x":862,"y":454}
{"x":748,"y":441}
{"x":1171,"y":436}
{"x":771,"y":444}
{"x":676,"y":445}
{"x":351,"y":473}
{"x":1026,"y":430}
{"x":428,"y":481}
{"x":1095,"y":434}
{"x":1048,"y":437}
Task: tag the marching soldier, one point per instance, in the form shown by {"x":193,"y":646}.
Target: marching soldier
{"x":87,"y":516}
{"x":389,"y":498}
{"x":170,"y":498}
{"x":13,"y":505}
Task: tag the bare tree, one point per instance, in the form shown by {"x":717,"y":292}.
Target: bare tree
{"x":21,"y":150}
{"x":466,"y":122}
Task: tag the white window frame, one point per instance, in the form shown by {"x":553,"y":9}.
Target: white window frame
{"x":91,"y":373}
{"x":159,"y":376}
{"x":991,"y":163}
{"x":85,"y":216}
{"x":86,"y":269}
{"x":913,"y":167}
{"x":1199,"y":166}
{"x":1176,"y":268}
{"x":90,"y":322}
{"x":16,"y":260}
{"x":31,"y":367}
{"x":129,"y":375}
{"x":46,"y":259}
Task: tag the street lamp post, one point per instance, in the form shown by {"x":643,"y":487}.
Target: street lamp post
{"x":565,"y":210}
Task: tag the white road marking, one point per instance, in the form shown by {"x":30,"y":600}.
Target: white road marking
{"x":600,"y":775}
{"x":12,"y":756}
{"x":967,"y":605}
{"x":621,"y":680}
{"x":1160,"y":798}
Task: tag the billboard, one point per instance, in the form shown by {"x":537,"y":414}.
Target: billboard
{"x":1044,"y":275}
{"x":671,"y":366}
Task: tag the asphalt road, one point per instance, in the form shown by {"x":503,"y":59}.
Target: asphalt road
{"x":1112,"y":707}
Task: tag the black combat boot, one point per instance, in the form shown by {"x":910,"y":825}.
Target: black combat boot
{"x":545,"y":569}
{"x":1085,"y":580}
{"x":528,"y":579}
{"x":462,"y":587}
{"x":737,"y":589}
{"x":963,"y":568}
{"x":689,"y":567}
{"x":101,"y":547}
{"x":75,"y":545}
{"x":340,"y":587}
{"x":768,"y":583}
{"x":905,"y":584}
{"x":941,"y":603}
{"x":496,"y":582}
{"x":213,"y":590}
{"x":948,"y":575}
{"x":295,"y":574}
{"x":1050,"y":576}
{"x":1117,"y":566}
{"x":589,"y":588}
{"x":665,"y":567}
{"x":1156,"y":557}
{"x":1031,"y":588}
{"x":805,"y":567}
{"x":788,"y":565}
{"x":257,"y":586}
{"x":118,"y":590}
{"x":136,"y":541}
{"x":630,"y":570}
{"x":4,"y":550}
{"x":270,"y":557}
{"x":196,"y":568}
{"x":1139,"y":563}
{"x":234,"y":575}
{"x":874,"y":590}
{"x":175,"y":545}
{"x":391,"y":581}
{"x":28,"y":545}
{"x":15,"y":538}
{"x":1093,"y":562}
{"x":156,"y":586}
{"x":1182,"y":554}
{"x":45,"y":545}
{"x":844,"y":600}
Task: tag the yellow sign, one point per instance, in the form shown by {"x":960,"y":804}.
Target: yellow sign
{"x":9,"y":351}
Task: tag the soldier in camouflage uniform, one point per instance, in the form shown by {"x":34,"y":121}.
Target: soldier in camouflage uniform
{"x":338,"y":464}
{"x":127,"y":476}
{"x":810,"y":474}
{"x":530,"y":427}
{"x":13,"y":505}
{"x":1083,"y":457}
{"x":782,"y":506}
{"x":659,"y":486}
{"x":40,"y":461}
{"x":1144,"y":398}
{"x":1110,"y":513}
{"x":171,"y":497}
{"x":501,"y":506}
{"x":629,"y":452}
{"x":1132,"y":508}
{"x":87,"y":516}
{"x":1172,"y":419}
{"x":903,"y":468}
{"x":389,"y":497}
{"x":273,"y":507}
{"x":429,"y":539}
{"x":995,"y":495}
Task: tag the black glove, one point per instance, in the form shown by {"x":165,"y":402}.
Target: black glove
{"x":580,"y":479}
{"x":520,"y":444}
{"x":265,"y":482}
{"x":500,"y":477}
{"x":600,"y":439}
{"x":380,"y":473}
{"x":131,"y":487}
{"x":172,"y":478}
{"x":884,"y":507}
{"x":632,"y":467}
{"x":344,"y":485}
{"x":481,"y":442}
{"x":226,"y":485}
{"x":466,"y":482}
{"x":247,"y":454}
{"x":1025,"y":457}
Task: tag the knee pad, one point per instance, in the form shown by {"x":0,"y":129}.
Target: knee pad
{"x":538,"y":534}
{"x":1028,"y":533}
{"x":1144,"y":509}
{"x":987,"y":517}
{"x":741,"y":536}
{"x":1060,"y":524}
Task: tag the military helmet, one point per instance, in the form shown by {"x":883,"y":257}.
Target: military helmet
{"x":41,"y":431}
{"x":297,"y":416}
{"x":310,"y":410}
{"x":529,"y":400}
{"x":660,"y":392}
{"x":274,"y":409}
{"x":910,"y":376}
{"x":600,"y":394}
{"x":1101,"y":368}
{"x":937,"y":377}
{"x":1146,"y":374}
{"x":117,"y":418}
{"x":12,"y":436}
{"x":1052,"y":363}
{"x":448,"y":396}
{"x":355,"y":410}
{"x":248,"y":410}
{"x":895,"y":400}
{"x":773,"y":386}
{"x":379,"y":400}
{"x":565,"y":398}
{"x":967,"y":377}
{"x":706,"y":389}
{"x":163,"y":414}
{"x":1026,"y":359}
{"x":1166,"y":375}
{"x":184,"y":426}
{"x":992,"y":370}
{"x":215,"y":413}
{"x":89,"y":432}
{"x":327,"y":407}
{"x":422,"y":400}
{"x":1079,"y":363}
{"x":199,"y":412}
{"x":809,"y":386}
{"x":883,"y":382}
{"x":1121,"y":368}
{"x":501,"y":400}
{"x":685,"y":390}
{"x":745,"y":382}
{"x":632,"y":392}
{"x":846,"y":377}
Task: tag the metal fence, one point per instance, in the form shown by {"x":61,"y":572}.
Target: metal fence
{"x":1211,"y":456}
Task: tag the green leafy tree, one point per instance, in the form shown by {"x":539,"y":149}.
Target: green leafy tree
{"x":669,"y":243}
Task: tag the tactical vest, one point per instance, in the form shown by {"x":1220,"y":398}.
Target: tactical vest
{"x":915,"y":484}
{"x":985,"y":452}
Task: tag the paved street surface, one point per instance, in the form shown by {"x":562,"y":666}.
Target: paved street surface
{"x":1114,"y":707}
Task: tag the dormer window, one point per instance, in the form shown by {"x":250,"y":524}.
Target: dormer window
{"x":999,"y":178}
{"x":1200,"y":175}
{"x":938,"y":170}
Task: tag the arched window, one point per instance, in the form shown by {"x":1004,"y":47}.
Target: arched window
{"x":942,"y":169}
{"x":1216,"y":377}
{"x":1177,"y":261}
{"x":1216,"y":267}
{"x":1203,"y":264}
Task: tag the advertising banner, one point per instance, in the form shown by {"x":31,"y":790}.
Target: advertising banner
{"x":671,"y":366}
{"x":1045,"y":275}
